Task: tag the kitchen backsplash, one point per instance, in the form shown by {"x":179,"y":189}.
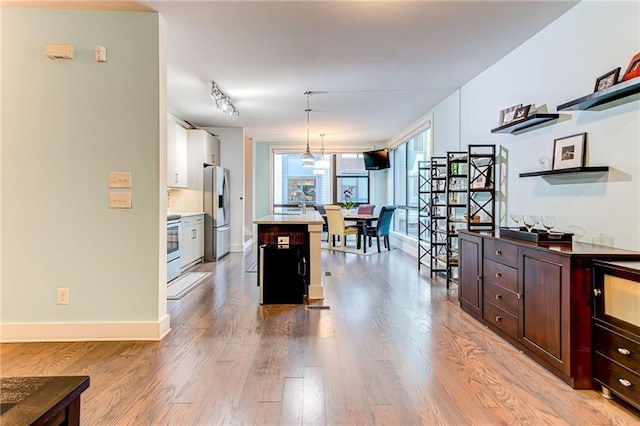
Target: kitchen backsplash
{"x":184,"y":200}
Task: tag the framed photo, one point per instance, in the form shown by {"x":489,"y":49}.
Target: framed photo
{"x":607,"y":80}
{"x":633,"y":70}
{"x":569,"y":152}
{"x":507,"y":114}
{"x":522,"y":112}
{"x":481,"y":177}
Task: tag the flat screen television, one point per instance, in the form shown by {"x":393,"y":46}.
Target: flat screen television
{"x":376,"y":160}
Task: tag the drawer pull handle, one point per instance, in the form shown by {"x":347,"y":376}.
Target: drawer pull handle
{"x":498,"y":318}
{"x":498,"y":275}
{"x":498,"y":253}
{"x":498,"y":296}
{"x":624,"y":382}
{"x":624,"y":351}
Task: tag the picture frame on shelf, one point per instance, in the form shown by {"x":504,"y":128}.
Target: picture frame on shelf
{"x":481,"y":177}
{"x":507,"y":114}
{"x":522,"y":112}
{"x":607,"y":80}
{"x":569,"y":151}
{"x":633,"y":70}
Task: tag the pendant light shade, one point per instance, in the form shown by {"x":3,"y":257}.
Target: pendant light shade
{"x":307,"y":158}
{"x":322,"y":163}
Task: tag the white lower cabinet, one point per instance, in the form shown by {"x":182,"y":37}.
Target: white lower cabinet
{"x":192,"y":241}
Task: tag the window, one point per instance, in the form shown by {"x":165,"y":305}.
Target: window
{"x":318,"y":185}
{"x":351,"y":174}
{"x":290,"y":176}
{"x":405,"y":159}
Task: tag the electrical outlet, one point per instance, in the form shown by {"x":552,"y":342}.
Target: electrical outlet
{"x":62,"y":296}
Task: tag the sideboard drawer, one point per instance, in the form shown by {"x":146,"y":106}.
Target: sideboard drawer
{"x":617,"y":347}
{"x":501,"y":297}
{"x":503,"y":275}
{"x":501,"y":251}
{"x":620,"y":380}
{"x":501,"y":319}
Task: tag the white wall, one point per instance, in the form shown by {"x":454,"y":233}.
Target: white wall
{"x":446,"y":125}
{"x":65,"y":125}
{"x":559,"y":64}
{"x":232,"y":158}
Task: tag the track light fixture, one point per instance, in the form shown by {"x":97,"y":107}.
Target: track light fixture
{"x":223,"y":102}
{"x":307,"y":157}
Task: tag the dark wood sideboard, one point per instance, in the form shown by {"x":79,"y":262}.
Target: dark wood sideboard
{"x":536,"y":296}
{"x":41,"y":400}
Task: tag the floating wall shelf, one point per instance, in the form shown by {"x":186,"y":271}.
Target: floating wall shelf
{"x":627,"y":91}
{"x":571,"y":171}
{"x":525,"y":123}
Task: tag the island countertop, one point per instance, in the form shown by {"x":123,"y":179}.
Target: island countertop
{"x":312,"y":217}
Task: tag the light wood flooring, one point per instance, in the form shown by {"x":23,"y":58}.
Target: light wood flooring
{"x":393,"y":349}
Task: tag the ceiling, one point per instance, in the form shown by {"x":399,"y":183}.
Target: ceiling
{"x":380,"y":65}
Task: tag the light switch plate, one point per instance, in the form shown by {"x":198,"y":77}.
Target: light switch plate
{"x":119,"y":179}
{"x":119,"y":200}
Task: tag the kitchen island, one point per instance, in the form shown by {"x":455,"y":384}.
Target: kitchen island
{"x":297,"y":228}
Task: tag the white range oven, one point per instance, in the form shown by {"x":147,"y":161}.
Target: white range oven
{"x":173,"y":247}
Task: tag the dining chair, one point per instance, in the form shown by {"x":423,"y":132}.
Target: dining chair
{"x":382,"y":227}
{"x":366,"y":208}
{"x":320,"y":209}
{"x":336,"y":226}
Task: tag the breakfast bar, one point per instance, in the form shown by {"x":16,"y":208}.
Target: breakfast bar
{"x":295,"y":228}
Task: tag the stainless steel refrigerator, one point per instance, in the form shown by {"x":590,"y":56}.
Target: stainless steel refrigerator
{"x":217,"y":232}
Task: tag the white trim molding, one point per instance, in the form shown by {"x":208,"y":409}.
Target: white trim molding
{"x":85,"y":332}
{"x":405,"y":243}
{"x":422,"y":123}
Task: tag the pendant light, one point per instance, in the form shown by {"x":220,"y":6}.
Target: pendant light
{"x":322,"y":163}
{"x":307,"y":157}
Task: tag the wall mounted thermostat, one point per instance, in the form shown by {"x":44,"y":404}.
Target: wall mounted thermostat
{"x":101,"y":54}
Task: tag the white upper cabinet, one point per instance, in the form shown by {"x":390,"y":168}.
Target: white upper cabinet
{"x":176,"y":155}
{"x":209,"y":145}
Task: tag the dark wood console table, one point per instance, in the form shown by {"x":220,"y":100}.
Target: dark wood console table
{"x":41,"y":400}
{"x":536,"y":296}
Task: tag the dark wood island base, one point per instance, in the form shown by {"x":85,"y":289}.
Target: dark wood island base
{"x":536,"y":296}
{"x":41,"y":400}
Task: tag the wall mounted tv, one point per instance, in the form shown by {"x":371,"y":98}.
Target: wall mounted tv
{"x":376,"y":160}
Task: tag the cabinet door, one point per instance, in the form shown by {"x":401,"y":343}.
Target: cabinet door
{"x":470,"y":285}
{"x":181,"y":156}
{"x":186,"y":248}
{"x":544,"y":280}
{"x":211,"y":150}
{"x":199,"y":240}
{"x":172,"y":177}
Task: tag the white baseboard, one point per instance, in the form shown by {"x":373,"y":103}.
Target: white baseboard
{"x":404,"y":243}
{"x":81,"y":332}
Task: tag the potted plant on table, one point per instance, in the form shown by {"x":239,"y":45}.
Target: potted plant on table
{"x":348,"y":204}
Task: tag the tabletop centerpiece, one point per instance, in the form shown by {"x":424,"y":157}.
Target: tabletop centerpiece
{"x":348,"y":204}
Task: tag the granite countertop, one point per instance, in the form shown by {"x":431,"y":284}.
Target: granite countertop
{"x":25,"y":400}
{"x":312,"y":217}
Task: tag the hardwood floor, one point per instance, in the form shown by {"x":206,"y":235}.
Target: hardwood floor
{"x":393,"y":349}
